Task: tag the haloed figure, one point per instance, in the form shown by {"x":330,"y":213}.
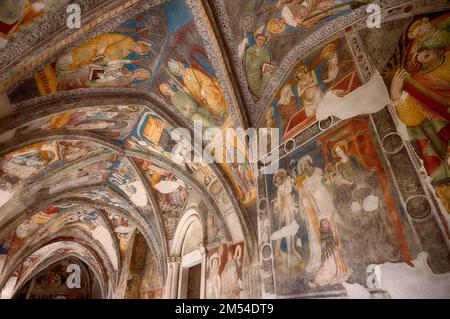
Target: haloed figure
{"x":256,"y":60}
{"x":186,"y":105}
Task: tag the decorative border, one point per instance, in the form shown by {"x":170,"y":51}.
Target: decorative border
{"x":391,"y":10}
{"x":43,"y":53}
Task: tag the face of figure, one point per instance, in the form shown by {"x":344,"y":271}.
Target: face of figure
{"x":140,"y":48}
{"x":280,"y":23}
{"x":329,"y":55}
{"x":325,"y":224}
{"x":279,"y":179}
{"x":141,"y":74}
{"x":340,"y":152}
{"x":421,"y":29}
{"x":178,"y":71}
{"x":331,"y":171}
{"x":303,"y":76}
{"x":260,"y":40}
{"x":166,"y":89}
{"x":156,"y":20}
{"x":427,"y":56}
{"x":307,"y":167}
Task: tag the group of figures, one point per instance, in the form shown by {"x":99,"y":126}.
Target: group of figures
{"x":420,"y":89}
{"x":224,"y":278}
{"x":272,"y":28}
{"x":153,"y":51}
{"x":28,"y":162}
{"x":331,"y":68}
{"x":333,"y":214}
{"x":123,"y":58}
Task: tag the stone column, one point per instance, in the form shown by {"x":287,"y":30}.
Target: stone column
{"x":173,"y":269}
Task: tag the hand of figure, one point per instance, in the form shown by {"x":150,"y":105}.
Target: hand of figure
{"x":398,"y":83}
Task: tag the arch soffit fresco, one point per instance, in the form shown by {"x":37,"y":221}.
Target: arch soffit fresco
{"x":59,"y":102}
{"x":75,"y":240}
{"x":75,"y":249}
{"x":332,"y":30}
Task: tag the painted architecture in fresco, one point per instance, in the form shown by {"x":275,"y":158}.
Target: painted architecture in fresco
{"x":90,"y":170}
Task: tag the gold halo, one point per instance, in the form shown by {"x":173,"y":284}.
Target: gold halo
{"x":415,"y":25}
{"x":273,"y":28}
{"x":343,"y":145}
{"x":326,"y":49}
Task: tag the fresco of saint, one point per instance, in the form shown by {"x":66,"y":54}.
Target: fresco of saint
{"x":420,"y":89}
{"x":201,"y":87}
{"x":307,"y":13}
{"x":187,"y":106}
{"x":256,"y":61}
{"x":331,"y":68}
{"x":17,"y":15}
{"x":105,"y":48}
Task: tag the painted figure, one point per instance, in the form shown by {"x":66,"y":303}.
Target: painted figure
{"x":187,"y":106}
{"x":420,"y":90}
{"x":316,"y":203}
{"x":286,"y":210}
{"x":103,"y":48}
{"x":257,"y":66}
{"x":331,"y":67}
{"x":306,"y":14}
{"x":333,"y":268}
{"x":309,"y":90}
{"x":287,"y":105}
{"x":201,"y":87}
{"x":231,"y":282}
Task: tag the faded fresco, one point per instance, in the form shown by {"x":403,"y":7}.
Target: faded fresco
{"x":158,"y":50}
{"x":56,"y":218}
{"x":51,"y":283}
{"x":36,"y":160}
{"x":133,"y":126}
{"x":329,"y":68}
{"x":266,"y":30}
{"x":333,"y":212}
{"x":224,"y":272}
{"x":171,"y":194}
{"x":136,"y":267}
{"x":419,"y":80}
{"x":21,"y":15}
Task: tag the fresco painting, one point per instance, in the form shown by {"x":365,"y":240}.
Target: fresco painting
{"x":418,"y":75}
{"x":330,"y":68}
{"x":21,"y":15}
{"x":31,"y":162}
{"x":54,"y":218}
{"x":171,"y":194}
{"x":266,"y":30}
{"x":159,"y":50}
{"x":131,"y":125}
{"x":224,"y":272}
{"x":51,"y":283}
{"x":123,"y":230}
{"x":227,"y":149}
{"x":333,"y":213}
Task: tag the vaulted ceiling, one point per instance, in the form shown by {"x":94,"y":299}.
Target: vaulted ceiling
{"x":87,"y":159}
